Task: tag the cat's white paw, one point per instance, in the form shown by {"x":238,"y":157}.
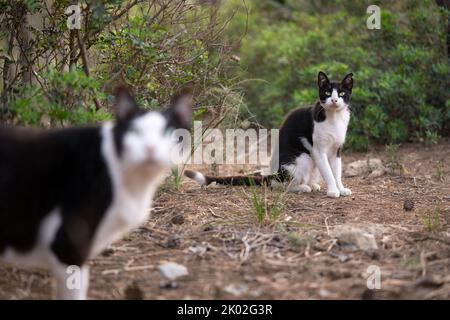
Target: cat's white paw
{"x":304,"y":188}
{"x":333,"y":193}
{"x":298,"y":188}
{"x":315,"y":186}
{"x":345,"y":192}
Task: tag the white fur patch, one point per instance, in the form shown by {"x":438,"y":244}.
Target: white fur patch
{"x":334,"y":102}
{"x":200,"y":178}
{"x":39,"y":255}
{"x":306,"y":144}
{"x":133,"y":188}
{"x":147,"y":141}
{"x":328,"y":137}
{"x":304,"y":173}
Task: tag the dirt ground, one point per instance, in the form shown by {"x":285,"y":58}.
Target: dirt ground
{"x":289,"y":253}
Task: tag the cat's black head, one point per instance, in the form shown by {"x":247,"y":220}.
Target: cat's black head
{"x":334,"y":95}
{"x":143,"y":136}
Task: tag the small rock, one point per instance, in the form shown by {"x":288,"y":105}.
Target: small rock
{"x":172,"y":242}
{"x":134,"y":292}
{"x":342,"y":257}
{"x":350,"y":235}
{"x":324,"y":293}
{"x":386,"y":241}
{"x":276,"y":238}
{"x":178,"y":219}
{"x":172,"y":270}
{"x":236,"y":289}
{"x":169,"y":285}
{"x":363,"y":167}
{"x":427,"y":283}
{"x":372,"y":254}
{"x":208,"y":227}
{"x":377,"y":173}
{"x":200,"y":249}
{"x":256,"y":292}
{"x":408,"y":205}
{"x":108,"y":252}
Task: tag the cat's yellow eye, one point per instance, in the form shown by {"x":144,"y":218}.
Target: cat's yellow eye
{"x":341,"y":94}
{"x":328,"y":93}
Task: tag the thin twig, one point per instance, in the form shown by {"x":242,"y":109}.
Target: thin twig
{"x":85,"y":64}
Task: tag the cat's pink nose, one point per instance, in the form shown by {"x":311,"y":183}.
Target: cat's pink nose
{"x":334,"y":100}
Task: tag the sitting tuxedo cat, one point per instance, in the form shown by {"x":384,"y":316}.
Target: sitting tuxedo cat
{"x":68,"y":193}
{"x":310,"y":143}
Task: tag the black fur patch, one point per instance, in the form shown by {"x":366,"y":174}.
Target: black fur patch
{"x":256,"y":180}
{"x":250,"y":180}
{"x":118,"y":132}
{"x":338,"y":153}
{"x":319,"y":114}
{"x":179,"y":114}
{"x":48,"y":170}
{"x":299,"y":123}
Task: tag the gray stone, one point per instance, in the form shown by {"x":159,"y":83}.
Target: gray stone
{"x":172,"y":270}
{"x":352,"y":235}
{"x":372,"y":167}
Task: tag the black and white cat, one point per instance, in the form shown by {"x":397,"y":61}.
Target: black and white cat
{"x":310,"y":143}
{"x":66,"y":194}
{"x":311,"y":139}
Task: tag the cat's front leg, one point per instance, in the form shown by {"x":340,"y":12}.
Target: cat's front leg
{"x":336,"y":167}
{"x":322,"y":163}
{"x":72,"y":282}
{"x":314,"y":182}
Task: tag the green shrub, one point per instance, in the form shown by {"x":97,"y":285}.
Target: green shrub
{"x":67,"y":101}
{"x":155,"y":47}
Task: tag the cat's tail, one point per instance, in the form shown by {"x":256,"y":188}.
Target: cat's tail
{"x":198,"y":177}
{"x":242,"y":180}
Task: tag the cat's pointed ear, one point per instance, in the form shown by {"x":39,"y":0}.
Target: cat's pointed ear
{"x":179,"y":113}
{"x":125,"y":104}
{"x":322,"y":79}
{"x":347,"y":82}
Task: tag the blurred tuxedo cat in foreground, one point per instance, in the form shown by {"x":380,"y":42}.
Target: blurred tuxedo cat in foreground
{"x":68,"y":193}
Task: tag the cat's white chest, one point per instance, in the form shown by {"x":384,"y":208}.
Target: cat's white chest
{"x":331,"y":132}
{"x":132,"y":195}
{"x":131,"y":211}
{"x":125,"y":213}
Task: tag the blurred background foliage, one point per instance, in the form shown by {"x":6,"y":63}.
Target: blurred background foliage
{"x":250,"y":61}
